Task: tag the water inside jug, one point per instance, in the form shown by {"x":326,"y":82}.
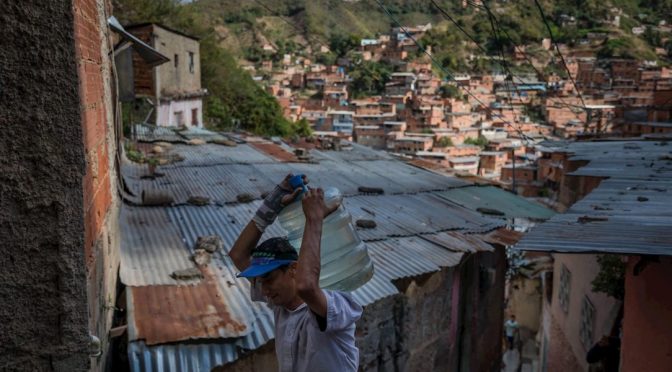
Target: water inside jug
{"x":346,"y":264}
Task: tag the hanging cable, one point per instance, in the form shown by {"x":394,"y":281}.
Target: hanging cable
{"x":448,"y":74}
{"x":540,"y":75}
{"x":557,"y":48}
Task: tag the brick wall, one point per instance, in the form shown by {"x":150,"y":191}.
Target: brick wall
{"x":100,"y":205}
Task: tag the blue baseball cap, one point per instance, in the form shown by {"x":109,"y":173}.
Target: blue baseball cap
{"x":270,"y":255}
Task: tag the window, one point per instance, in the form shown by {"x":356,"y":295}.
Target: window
{"x":176,"y":61}
{"x":179,"y":118}
{"x":194,"y":117}
{"x":191,"y":62}
{"x":563,"y":291}
{"x":587,"y":320}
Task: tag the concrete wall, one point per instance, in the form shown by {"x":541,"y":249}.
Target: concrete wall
{"x":43,"y":319}
{"x":56,"y":201}
{"x":525,"y":302}
{"x":260,"y":360}
{"x":647,"y":321}
{"x":564,"y":334}
{"x":173,"y":80}
{"x":167,"y":110}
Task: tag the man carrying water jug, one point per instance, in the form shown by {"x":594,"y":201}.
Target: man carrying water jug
{"x":314,"y":328}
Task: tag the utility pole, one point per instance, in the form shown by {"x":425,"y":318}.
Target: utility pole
{"x":513,"y":171}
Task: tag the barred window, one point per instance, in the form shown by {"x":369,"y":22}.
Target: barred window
{"x":587,"y":321}
{"x":563,"y":291}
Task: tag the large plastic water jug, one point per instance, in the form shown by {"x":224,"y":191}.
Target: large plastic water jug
{"x":346,"y":264}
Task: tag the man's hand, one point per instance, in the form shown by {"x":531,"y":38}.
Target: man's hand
{"x":313,"y":205}
{"x":277,"y":199}
{"x":292,"y":194}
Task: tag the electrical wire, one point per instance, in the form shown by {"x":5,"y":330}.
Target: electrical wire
{"x":510,"y":39}
{"x":448,"y":74}
{"x":562,"y":58}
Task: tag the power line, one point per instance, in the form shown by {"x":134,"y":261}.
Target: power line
{"x":495,"y":33}
{"x":557,"y":48}
{"x":508,"y":36}
{"x":431,"y":57}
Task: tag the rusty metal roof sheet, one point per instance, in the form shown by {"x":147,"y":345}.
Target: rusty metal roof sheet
{"x":171,"y":313}
{"x":275,"y":151}
{"x":503,"y":237}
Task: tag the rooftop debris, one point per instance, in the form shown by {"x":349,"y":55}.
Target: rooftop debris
{"x":199,"y":200}
{"x":156,"y":197}
{"x":196,"y":142}
{"x":210,"y":244}
{"x":245,"y":197}
{"x":366,"y":224}
{"x":201,"y":257}
{"x":490,"y":211}
{"x":224,"y":142}
{"x":587,"y":219}
{"x":371,"y":190}
{"x":186,"y":274}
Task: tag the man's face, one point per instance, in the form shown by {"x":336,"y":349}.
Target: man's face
{"x":279,"y":286}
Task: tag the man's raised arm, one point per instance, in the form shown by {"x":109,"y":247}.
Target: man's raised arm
{"x":248,"y":239}
{"x":308,"y":267}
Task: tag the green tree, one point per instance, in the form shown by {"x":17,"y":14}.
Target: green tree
{"x":341,"y":44}
{"x":301,"y":128}
{"x":444,"y":142}
{"x":449,"y":91}
{"x":480,"y":141}
{"x":369,"y":78}
{"x":611,"y":277}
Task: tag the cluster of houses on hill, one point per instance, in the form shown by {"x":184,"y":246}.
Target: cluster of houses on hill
{"x":490,"y":124}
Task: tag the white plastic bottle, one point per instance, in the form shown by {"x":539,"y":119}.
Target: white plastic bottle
{"x":346,"y":264}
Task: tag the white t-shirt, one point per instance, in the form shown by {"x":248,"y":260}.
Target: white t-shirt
{"x":302,"y":346}
{"x":510,"y":326}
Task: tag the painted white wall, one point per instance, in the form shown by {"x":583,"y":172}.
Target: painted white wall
{"x":167,"y":115}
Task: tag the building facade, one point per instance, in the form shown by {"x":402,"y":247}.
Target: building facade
{"x":174,"y":87}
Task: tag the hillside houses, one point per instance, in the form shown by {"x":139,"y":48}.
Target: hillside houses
{"x":420,"y":114}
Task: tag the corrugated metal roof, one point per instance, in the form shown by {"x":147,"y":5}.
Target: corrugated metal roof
{"x":150,"y":133}
{"x":195,"y":356}
{"x":407,"y":215}
{"x":628,"y":213}
{"x":491,"y":197}
{"x":408,"y":241}
{"x":151,"y":247}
